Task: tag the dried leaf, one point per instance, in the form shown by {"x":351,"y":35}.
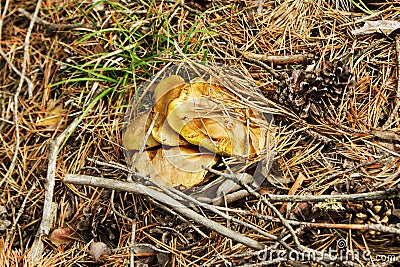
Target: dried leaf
{"x":61,"y":236}
{"x":53,"y":117}
{"x":380,"y":26}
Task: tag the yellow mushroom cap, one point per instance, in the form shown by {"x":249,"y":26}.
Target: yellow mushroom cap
{"x":167,"y":90}
{"x":135,"y":133}
{"x":166,"y":85}
{"x":195,"y":121}
{"x":176,"y":166}
{"x":205,"y":115}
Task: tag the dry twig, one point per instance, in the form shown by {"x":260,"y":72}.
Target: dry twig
{"x":314,"y":225}
{"x":390,"y":193}
{"x":236,"y":179}
{"x":259,"y":63}
{"x":18,"y":91}
{"x":114,"y":165}
{"x":177,"y":206}
{"x":47,"y":217}
{"x":280,"y":59}
{"x":161,"y":197}
{"x":54,"y":26}
{"x":15,"y":69}
{"x":26,"y":45}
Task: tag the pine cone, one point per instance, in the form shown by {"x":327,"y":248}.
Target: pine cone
{"x":309,"y":93}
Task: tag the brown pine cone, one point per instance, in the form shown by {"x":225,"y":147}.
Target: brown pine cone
{"x":310,"y":93}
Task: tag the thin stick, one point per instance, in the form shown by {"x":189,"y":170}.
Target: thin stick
{"x":313,"y":225}
{"x":280,"y":59}
{"x":54,"y":26}
{"x":111,"y":164}
{"x":47,"y":217}
{"x":115,"y":211}
{"x":14,"y":68}
{"x":281,"y":218}
{"x":383,"y":148}
{"x":26,"y":43}
{"x":390,"y":193}
{"x":20,"y":212}
{"x":4,"y":55}
{"x":18,"y":91}
{"x":258,"y":63}
{"x":212,"y":208}
{"x":16,"y":123}
{"x":163,"y":198}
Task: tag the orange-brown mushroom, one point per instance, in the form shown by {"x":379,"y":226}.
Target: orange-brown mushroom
{"x":167,"y":90}
{"x":176,"y":166}
{"x":135,"y":133}
{"x":192,"y":116}
{"x":206,"y":115}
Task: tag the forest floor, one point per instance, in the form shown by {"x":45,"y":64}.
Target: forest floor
{"x":330,"y":76}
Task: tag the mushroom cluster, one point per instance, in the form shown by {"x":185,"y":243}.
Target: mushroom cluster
{"x":191,"y":125}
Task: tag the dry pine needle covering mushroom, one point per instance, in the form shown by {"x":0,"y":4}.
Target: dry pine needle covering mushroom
{"x":194,"y":123}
